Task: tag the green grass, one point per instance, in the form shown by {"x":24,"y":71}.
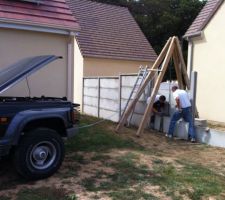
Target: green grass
{"x":128,"y":177}
{"x":98,"y":139}
{"x":127,"y":174}
{"x":100,"y":157}
{"x":131,"y":195}
{"x":79,"y":159}
{"x":194,"y":177}
{"x":193,"y":180}
{"x":44,"y":193}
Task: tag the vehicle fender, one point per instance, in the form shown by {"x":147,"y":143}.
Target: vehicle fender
{"x":22,"y":118}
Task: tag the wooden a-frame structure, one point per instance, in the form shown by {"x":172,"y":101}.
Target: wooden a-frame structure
{"x":171,"y":50}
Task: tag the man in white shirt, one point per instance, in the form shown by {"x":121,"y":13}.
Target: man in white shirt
{"x":183,"y":106}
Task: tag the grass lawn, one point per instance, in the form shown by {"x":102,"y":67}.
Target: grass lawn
{"x":100,"y":164}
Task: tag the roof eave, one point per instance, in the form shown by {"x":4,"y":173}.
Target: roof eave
{"x":212,"y":14}
{"x":205,"y":23}
{"x":193,"y":35}
{"x":118,"y":58}
{"x":32,"y":26}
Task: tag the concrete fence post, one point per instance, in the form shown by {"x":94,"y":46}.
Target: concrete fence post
{"x":99,"y":93}
{"x":82,"y":100}
{"x":120,"y":95}
{"x":194,"y":76}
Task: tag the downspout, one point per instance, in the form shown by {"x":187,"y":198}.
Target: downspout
{"x":70,"y":67}
{"x":189,"y":38}
{"x":190,"y":56}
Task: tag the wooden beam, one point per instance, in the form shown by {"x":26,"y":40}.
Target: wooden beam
{"x":156,"y":88}
{"x":184,"y":71}
{"x":183,"y":65}
{"x":131,"y":106}
{"x":177,"y":68}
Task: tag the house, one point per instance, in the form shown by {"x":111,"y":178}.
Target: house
{"x":110,"y":42}
{"x":95,"y":39}
{"x":31,"y":28}
{"x":206,"y":56}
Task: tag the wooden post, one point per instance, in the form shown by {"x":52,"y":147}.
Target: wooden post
{"x":177,"y":68}
{"x":142,"y":88}
{"x":183,"y":65}
{"x":156,"y":87}
{"x":184,"y":71}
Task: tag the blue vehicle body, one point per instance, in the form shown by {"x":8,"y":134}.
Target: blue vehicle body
{"x":33,"y":113}
{"x":19,"y":115}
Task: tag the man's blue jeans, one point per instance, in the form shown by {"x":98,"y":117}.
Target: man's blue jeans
{"x":186,"y":114}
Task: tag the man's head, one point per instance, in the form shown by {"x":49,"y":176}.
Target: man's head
{"x":162,"y":99}
{"x":174,"y":88}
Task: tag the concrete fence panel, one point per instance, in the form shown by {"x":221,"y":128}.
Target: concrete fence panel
{"x":109,"y":83}
{"x":107,"y":93}
{"x":91,"y":92}
{"x":110,"y":115}
{"x":90,"y":110}
{"x":109,"y":104}
{"x":91,"y":82}
{"x":90,"y":101}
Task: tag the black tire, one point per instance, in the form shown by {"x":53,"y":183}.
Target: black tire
{"x":39,"y":154}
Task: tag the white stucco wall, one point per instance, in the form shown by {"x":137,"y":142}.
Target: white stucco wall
{"x":78,"y":74}
{"x":209,"y":62}
{"x":50,"y":80}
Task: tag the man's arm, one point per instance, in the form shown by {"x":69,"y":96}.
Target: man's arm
{"x":178,"y":103}
{"x":154,"y":110}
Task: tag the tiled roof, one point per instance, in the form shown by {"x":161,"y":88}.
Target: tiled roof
{"x":204,"y":17}
{"x":109,"y":31}
{"x":50,"y":13}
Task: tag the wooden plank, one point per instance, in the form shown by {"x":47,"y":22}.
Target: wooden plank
{"x":155,"y":70}
{"x":156,"y":87}
{"x":142,"y":88}
{"x":177,"y":68}
{"x":183,"y":65}
{"x":184,"y":71}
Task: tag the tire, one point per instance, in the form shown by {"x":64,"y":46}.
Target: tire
{"x":39,"y":154}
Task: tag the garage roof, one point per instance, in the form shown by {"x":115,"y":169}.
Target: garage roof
{"x":49,"y":13}
{"x":109,"y":31}
{"x":204,"y":17}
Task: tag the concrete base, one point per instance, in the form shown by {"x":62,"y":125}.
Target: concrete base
{"x":204,"y":135}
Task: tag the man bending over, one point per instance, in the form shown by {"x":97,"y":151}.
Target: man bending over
{"x":183,"y":106}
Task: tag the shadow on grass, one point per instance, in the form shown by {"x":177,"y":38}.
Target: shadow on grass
{"x":44,"y":193}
